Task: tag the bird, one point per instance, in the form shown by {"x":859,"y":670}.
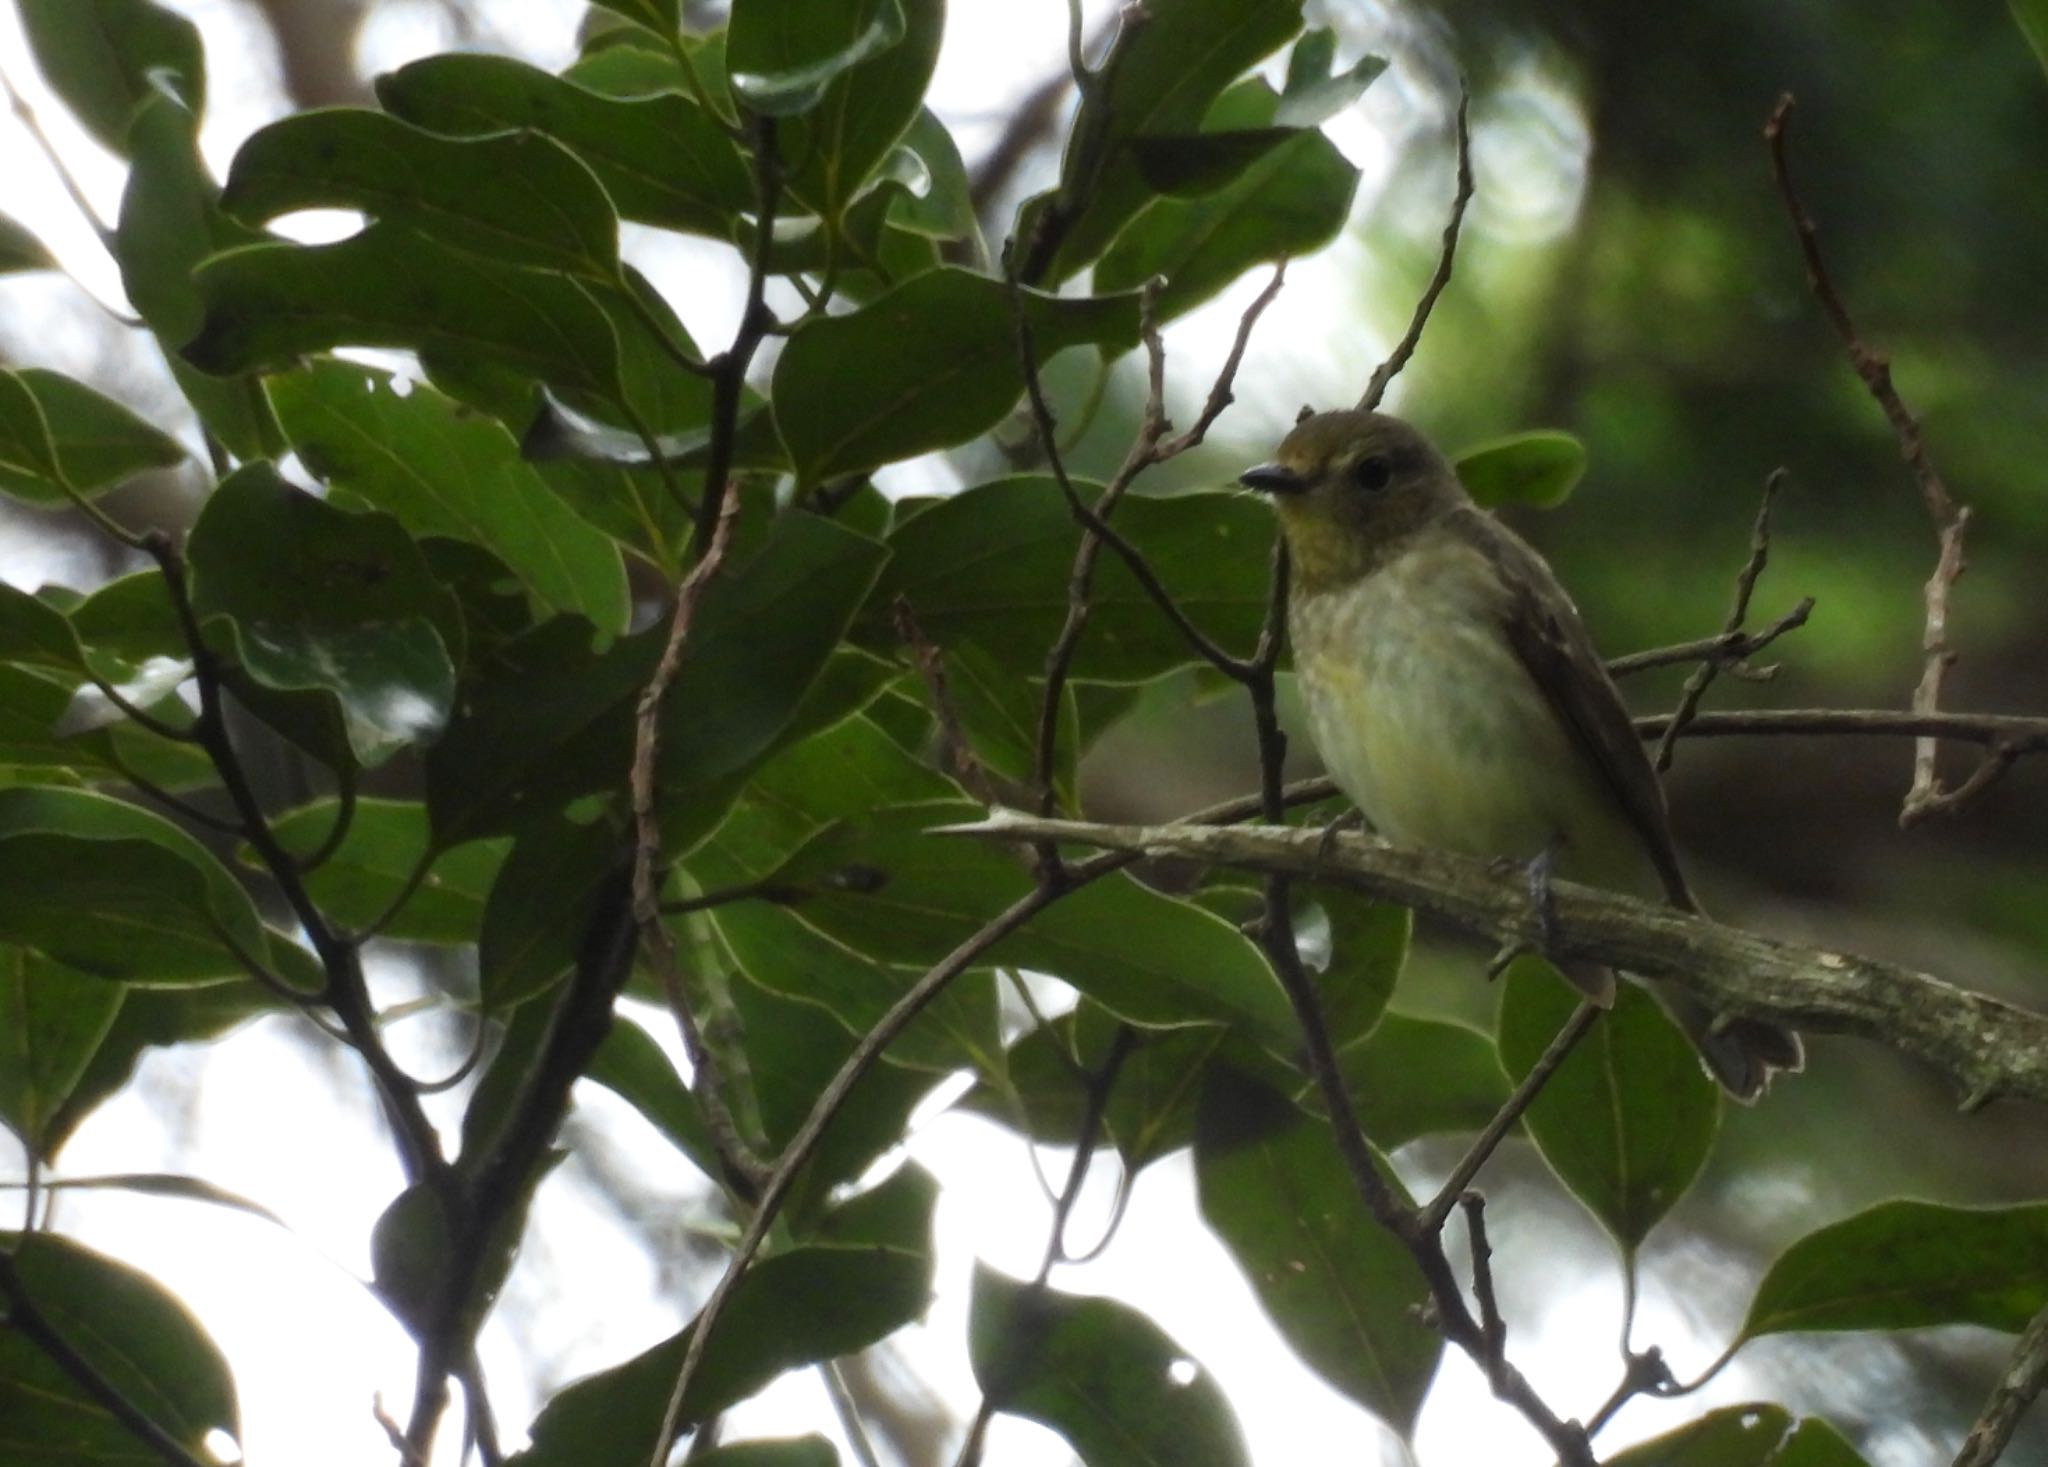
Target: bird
{"x":1455,"y":696}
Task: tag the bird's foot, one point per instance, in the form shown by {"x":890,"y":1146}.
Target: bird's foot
{"x":1542,"y":910}
{"x":1349,"y":820}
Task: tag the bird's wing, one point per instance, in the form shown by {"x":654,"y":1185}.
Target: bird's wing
{"x":1554,"y":647}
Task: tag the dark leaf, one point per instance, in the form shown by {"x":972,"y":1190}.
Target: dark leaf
{"x":633,"y":1067}
{"x":782,"y":55}
{"x":1343,"y":1291}
{"x":339,"y":603}
{"x":1734,"y":1436}
{"x":386,"y":841}
{"x":106,"y":57}
{"x":660,"y":158}
{"x":1421,"y":1077}
{"x":1368,"y":946}
{"x":1904,"y":1265}
{"x":1814,"y":1443}
{"x":95,"y":442}
{"x":2032,"y":16}
{"x":1099,"y":1373}
{"x":1627,"y":1120}
{"x":443,"y":470}
{"x":804,"y":1451}
{"x":134,"y":1331}
{"x":944,"y":208}
{"x":20,"y":251}
{"x":866,"y":108}
{"x":51,"y":1021}
{"x":539,"y":906}
{"x":990,"y":565}
{"x":1539,"y":469}
{"x":930,"y":364}
{"x":1202,"y":162}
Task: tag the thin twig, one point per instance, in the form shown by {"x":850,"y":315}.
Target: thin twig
{"x":1493,"y":1330}
{"x":956,"y":749}
{"x":708,"y":1082}
{"x":1951,"y":520}
{"x":2024,"y":1376}
{"x":1488,"y":1141}
{"x":1385,"y":373}
{"x":1703,"y":675}
{"x":1730,"y":649}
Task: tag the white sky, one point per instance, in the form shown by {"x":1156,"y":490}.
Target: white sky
{"x":311,"y":1348}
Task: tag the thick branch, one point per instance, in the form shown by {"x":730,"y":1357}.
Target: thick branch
{"x":1990,"y":1048}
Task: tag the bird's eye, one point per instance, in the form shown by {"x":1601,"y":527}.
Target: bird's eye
{"x":1372,"y":473}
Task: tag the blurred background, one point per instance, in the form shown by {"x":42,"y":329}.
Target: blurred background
{"x":1626,"y":275}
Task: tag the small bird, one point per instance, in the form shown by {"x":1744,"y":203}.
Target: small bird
{"x":1455,"y":695}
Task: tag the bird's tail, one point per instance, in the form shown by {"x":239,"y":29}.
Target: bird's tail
{"x":1741,"y":1053}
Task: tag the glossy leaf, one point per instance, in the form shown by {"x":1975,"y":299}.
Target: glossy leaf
{"x":1343,"y":1291}
{"x":51,"y":1021}
{"x":1168,"y":74}
{"x":551,"y":718}
{"x":865,"y":109}
{"x":337,"y":603}
{"x":1421,"y":1077}
{"x":930,"y":364}
{"x":1733,"y":1436}
{"x":944,"y":209}
{"x":1099,"y":1373}
{"x":1904,"y":1265}
{"x":514,"y":196}
{"x":377,"y":859}
{"x":1539,"y":469}
{"x":782,"y":55}
{"x":442,"y":470}
{"x":811,"y":1303}
{"x":171,"y":220}
{"x":1287,"y":194}
{"x":1368,"y":946}
{"x":990,"y":565}
{"x":138,"y":1336}
{"x":95,"y":443}
{"x":20,"y":251}
{"x":105,"y":58}
{"x":1627,"y":1120}
{"x":389,"y":286}
{"x":661,"y":160}
{"x":164,"y":910}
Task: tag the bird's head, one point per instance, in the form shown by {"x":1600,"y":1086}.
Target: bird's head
{"x":1349,"y":487}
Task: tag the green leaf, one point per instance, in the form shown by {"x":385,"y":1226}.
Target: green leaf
{"x":1733,"y":1436}
{"x":1814,"y":1443}
{"x":1905,"y":1265}
{"x":377,"y":858}
{"x":1314,"y":93}
{"x":20,"y":251}
{"x":2032,"y":18}
{"x":1099,"y":1373}
{"x":1288,"y":193}
{"x":989,"y":565}
{"x":809,"y":1304}
{"x":1167,"y":74}
{"x":105,"y":58}
{"x":1343,"y":1291}
{"x":633,"y":1067}
{"x":865,"y":108}
{"x":930,"y":364}
{"x":94,"y":442}
{"x":539,"y":908}
{"x":339,"y":603}
{"x":1627,"y":1120}
{"x":661,"y":159}
{"x":1421,"y":1077}
{"x":782,"y":55}
{"x":26,"y":452}
{"x":164,"y":910}
{"x":389,"y":286}
{"x":999,"y":715}
{"x":51,"y":1021}
{"x":442,"y":470}
{"x":660,"y":16}
{"x":519,"y":196}
{"x":803,"y":1451}
{"x":170,"y":221}
{"x":551,"y":719}
{"x":1368,"y":946}
{"x":944,"y":209}
{"x":134,"y":1332}
{"x":1539,"y":468}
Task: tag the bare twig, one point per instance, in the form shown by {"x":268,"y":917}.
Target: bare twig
{"x":1493,"y":1330}
{"x":1990,"y":1048}
{"x":957,"y":751}
{"x":648,"y":866}
{"x":2024,"y":1376}
{"x":1385,"y":373}
{"x":1729,"y":649}
{"x":1951,"y":520}
{"x":1703,"y":675}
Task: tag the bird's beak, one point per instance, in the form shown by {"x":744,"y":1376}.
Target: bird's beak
{"x":1272,"y":479}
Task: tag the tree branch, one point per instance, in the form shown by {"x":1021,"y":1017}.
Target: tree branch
{"x":1384,"y":374}
{"x":2016,"y":1390}
{"x":1989,"y":1047}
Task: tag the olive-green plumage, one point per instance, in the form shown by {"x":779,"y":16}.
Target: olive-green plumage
{"x":1455,"y":695}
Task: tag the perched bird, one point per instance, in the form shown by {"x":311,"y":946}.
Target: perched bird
{"x":1455,"y":695}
